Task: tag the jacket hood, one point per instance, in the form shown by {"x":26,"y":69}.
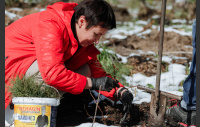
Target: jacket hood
{"x":61,"y":8}
{"x":65,"y":12}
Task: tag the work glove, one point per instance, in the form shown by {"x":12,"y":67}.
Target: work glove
{"x":126,"y":98}
{"x":106,"y":83}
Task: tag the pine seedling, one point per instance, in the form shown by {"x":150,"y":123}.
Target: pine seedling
{"x":112,"y":66}
{"x":28,"y":87}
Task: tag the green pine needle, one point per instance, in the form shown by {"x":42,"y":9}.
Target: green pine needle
{"x":27,"y":87}
{"x":112,"y":66}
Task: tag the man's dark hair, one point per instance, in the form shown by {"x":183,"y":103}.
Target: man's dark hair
{"x":96,"y":12}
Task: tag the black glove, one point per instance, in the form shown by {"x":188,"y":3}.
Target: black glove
{"x":106,"y":83}
{"x":126,"y":98}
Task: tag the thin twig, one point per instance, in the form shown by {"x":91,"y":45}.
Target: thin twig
{"x":88,"y":113}
{"x":115,"y":101}
{"x":96,"y":106}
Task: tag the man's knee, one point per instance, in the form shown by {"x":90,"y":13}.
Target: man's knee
{"x":33,"y":69}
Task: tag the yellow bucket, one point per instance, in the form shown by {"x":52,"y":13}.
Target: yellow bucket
{"x":35,"y":112}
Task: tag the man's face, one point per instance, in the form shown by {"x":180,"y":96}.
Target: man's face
{"x":88,"y":36}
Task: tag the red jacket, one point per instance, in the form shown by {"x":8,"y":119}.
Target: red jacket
{"x":47,"y":37}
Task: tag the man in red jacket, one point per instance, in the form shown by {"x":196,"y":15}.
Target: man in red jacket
{"x":59,"y":42}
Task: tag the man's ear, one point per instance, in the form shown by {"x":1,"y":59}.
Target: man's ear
{"x":82,"y":22}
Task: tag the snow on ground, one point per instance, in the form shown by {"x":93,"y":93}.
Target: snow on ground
{"x":130,"y":28}
{"x":118,"y":36}
{"x":33,"y":1}
{"x":145,"y":32}
{"x":95,"y":125}
{"x":179,"y":21}
{"x":188,"y":46}
{"x":133,"y":12}
{"x":142,"y":22}
{"x":171,"y":29}
{"x":169,"y":7}
{"x":42,"y":9}
{"x":155,"y":16}
{"x":179,"y":1}
{"x":16,"y":9}
{"x":169,"y":82}
{"x":11,"y":15}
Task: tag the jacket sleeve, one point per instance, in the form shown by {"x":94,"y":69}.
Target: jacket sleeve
{"x":98,"y":71}
{"x":48,"y":39}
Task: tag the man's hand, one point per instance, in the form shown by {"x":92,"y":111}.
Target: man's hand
{"x":125,"y":97}
{"x":106,"y":83}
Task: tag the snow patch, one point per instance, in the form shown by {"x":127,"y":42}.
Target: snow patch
{"x":142,"y":22}
{"x":15,"y":9}
{"x":94,"y":125}
{"x":11,"y":15}
{"x":179,"y":21}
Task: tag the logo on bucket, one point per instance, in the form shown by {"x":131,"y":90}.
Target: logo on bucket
{"x":32,"y":115}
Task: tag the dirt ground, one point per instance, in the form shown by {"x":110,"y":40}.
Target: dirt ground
{"x":77,"y":114}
